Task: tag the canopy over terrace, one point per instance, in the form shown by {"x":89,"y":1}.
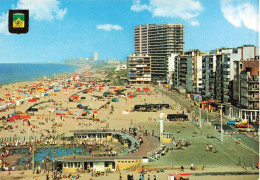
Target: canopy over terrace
{"x":105,"y":135}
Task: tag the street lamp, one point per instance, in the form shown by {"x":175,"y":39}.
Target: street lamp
{"x":221,"y":106}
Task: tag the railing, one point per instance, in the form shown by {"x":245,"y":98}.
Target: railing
{"x":30,"y":137}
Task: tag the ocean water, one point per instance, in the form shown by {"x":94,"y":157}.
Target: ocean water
{"x":10,"y":73}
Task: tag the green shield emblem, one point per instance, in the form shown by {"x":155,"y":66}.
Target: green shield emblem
{"x":18,"y":20}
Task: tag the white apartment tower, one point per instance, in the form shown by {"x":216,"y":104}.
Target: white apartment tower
{"x":159,"y":41}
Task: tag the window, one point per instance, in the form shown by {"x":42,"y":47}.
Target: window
{"x":64,"y":164}
{"x":69,"y":165}
{"x":106,"y":164}
{"x":91,"y":164}
{"x":75,"y":164}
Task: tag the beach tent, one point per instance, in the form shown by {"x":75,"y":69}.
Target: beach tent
{"x":25,"y":116}
{"x":15,"y":116}
{"x":74,"y":96}
{"x":178,"y":176}
{"x":146,"y":89}
{"x":31,"y":100}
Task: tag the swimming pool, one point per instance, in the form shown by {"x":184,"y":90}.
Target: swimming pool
{"x":43,"y":152}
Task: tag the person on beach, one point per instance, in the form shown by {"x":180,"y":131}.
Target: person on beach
{"x":210,"y":147}
{"x":207,"y":147}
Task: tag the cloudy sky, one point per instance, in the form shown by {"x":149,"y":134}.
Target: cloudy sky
{"x":60,"y":29}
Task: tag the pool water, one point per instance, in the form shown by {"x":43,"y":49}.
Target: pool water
{"x":42,"y":153}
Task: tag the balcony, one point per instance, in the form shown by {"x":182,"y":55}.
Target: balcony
{"x":253,"y":89}
{"x":226,"y":83}
{"x":250,"y":98}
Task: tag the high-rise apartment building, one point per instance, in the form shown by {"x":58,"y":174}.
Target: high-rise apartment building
{"x":95,"y":57}
{"x":247,"y":107}
{"x":159,"y":41}
{"x":208,"y":76}
{"x":139,"y":68}
{"x":188,"y":71}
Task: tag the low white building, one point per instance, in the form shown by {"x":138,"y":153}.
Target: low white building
{"x":121,"y":67}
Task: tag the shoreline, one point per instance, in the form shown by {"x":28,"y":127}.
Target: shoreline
{"x":79,"y":67}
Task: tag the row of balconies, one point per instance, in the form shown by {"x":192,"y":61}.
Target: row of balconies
{"x":253,"y":89}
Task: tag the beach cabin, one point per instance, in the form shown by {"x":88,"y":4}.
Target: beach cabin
{"x":103,"y":135}
{"x":91,"y":135}
{"x":73,"y":164}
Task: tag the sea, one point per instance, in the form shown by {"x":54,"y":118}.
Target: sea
{"x":10,"y":73}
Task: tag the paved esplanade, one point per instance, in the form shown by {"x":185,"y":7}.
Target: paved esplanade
{"x":227,"y":154}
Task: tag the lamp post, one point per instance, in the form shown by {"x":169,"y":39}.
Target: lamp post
{"x":221,"y":124}
{"x":200,"y":114}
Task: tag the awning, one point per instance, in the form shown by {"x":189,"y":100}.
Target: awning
{"x":204,"y":102}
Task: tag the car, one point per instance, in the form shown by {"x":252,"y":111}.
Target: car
{"x":244,"y":125}
{"x":238,"y":123}
{"x":232,"y":122}
{"x":241,"y":122}
{"x":246,"y":129}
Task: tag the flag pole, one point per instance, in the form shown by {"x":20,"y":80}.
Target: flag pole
{"x":28,"y":131}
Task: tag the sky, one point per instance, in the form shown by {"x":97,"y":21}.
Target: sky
{"x":61,"y":29}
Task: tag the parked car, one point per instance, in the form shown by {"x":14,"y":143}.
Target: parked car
{"x":231,"y":122}
{"x":246,"y":129}
{"x":244,"y":125}
{"x":241,"y":122}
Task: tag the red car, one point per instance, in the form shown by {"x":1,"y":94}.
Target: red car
{"x":244,"y":125}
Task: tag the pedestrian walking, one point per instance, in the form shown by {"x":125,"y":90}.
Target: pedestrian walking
{"x":120,"y":176}
{"x":239,"y":161}
{"x":207,"y":147}
{"x":148,"y":177}
{"x":154,"y":177}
